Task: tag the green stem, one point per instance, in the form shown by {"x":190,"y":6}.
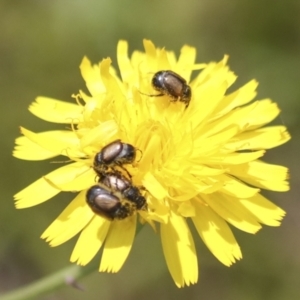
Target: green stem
{"x":66,"y":276}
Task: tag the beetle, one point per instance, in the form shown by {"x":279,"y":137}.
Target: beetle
{"x":106,"y":204}
{"x":118,"y":183}
{"x":170,"y":83}
{"x":114,"y":197}
{"x":115,"y":153}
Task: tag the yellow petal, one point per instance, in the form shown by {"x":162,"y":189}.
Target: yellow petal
{"x":106,"y":129}
{"x":110,"y":81}
{"x":36,"y":193}
{"x":264,"y":111}
{"x":179,"y":250}
{"x":91,"y":75}
{"x":59,"y":142}
{"x":208,"y":185}
{"x":216,"y":235}
{"x":264,"y":138}
{"x":64,"y":176}
{"x":241,"y":158}
{"x":209,"y":91}
{"x":231,"y":210}
{"x":89,"y":107}
{"x":237,"y":117}
{"x":76,"y":182}
{"x":150,"y":51}
{"x":56,"y":111}
{"x":72,"y":220}
{"x":236,"y":188}
{"x":28,"y":150}
{"x":214,"y":74}
{"x":186,"y":209}
{"x":158,"y":210}
{"x":154,"y":187}
{"x":124,"y":63}
{"x":186,"y":61}
{"x":164,"y":59}
{"x":90,"y":240}
{"x":118,"y":244}
{"x":264,"y":210}
{"x":205,"y":149}
{"x":201,"y":170}
{"x":260,"y":174}
{"x":240,"y":97}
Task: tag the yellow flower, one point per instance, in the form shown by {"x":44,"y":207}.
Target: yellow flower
{"x":200,"y":162}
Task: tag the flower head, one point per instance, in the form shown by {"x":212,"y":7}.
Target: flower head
{"x":198,"y":158}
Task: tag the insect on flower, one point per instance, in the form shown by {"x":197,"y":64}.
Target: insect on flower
{"x":171,"y":84}
{"x":118,"y":183}
{"x":114,"y":197}
{"x":104,"y":203}
{"x":115,"y":153}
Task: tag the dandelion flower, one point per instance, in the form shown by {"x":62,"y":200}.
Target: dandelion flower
{"x":201,"y":161}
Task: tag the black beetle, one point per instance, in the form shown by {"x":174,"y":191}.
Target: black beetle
{"x":106,"y":204}
{"x":171,"y":84}
{"x":118,"y":183}
{"x":115,"y":153}
{"x":114,"y":197}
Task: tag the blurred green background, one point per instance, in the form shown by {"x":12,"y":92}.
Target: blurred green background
{"x":41,"y":46}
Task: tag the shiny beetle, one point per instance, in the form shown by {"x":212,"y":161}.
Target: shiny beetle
{"x":115,"y":153}
{"x":114,"y":197}
{"x":118,"y":183}
{"x":171,"y":84}
{"x":106,"y":204}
